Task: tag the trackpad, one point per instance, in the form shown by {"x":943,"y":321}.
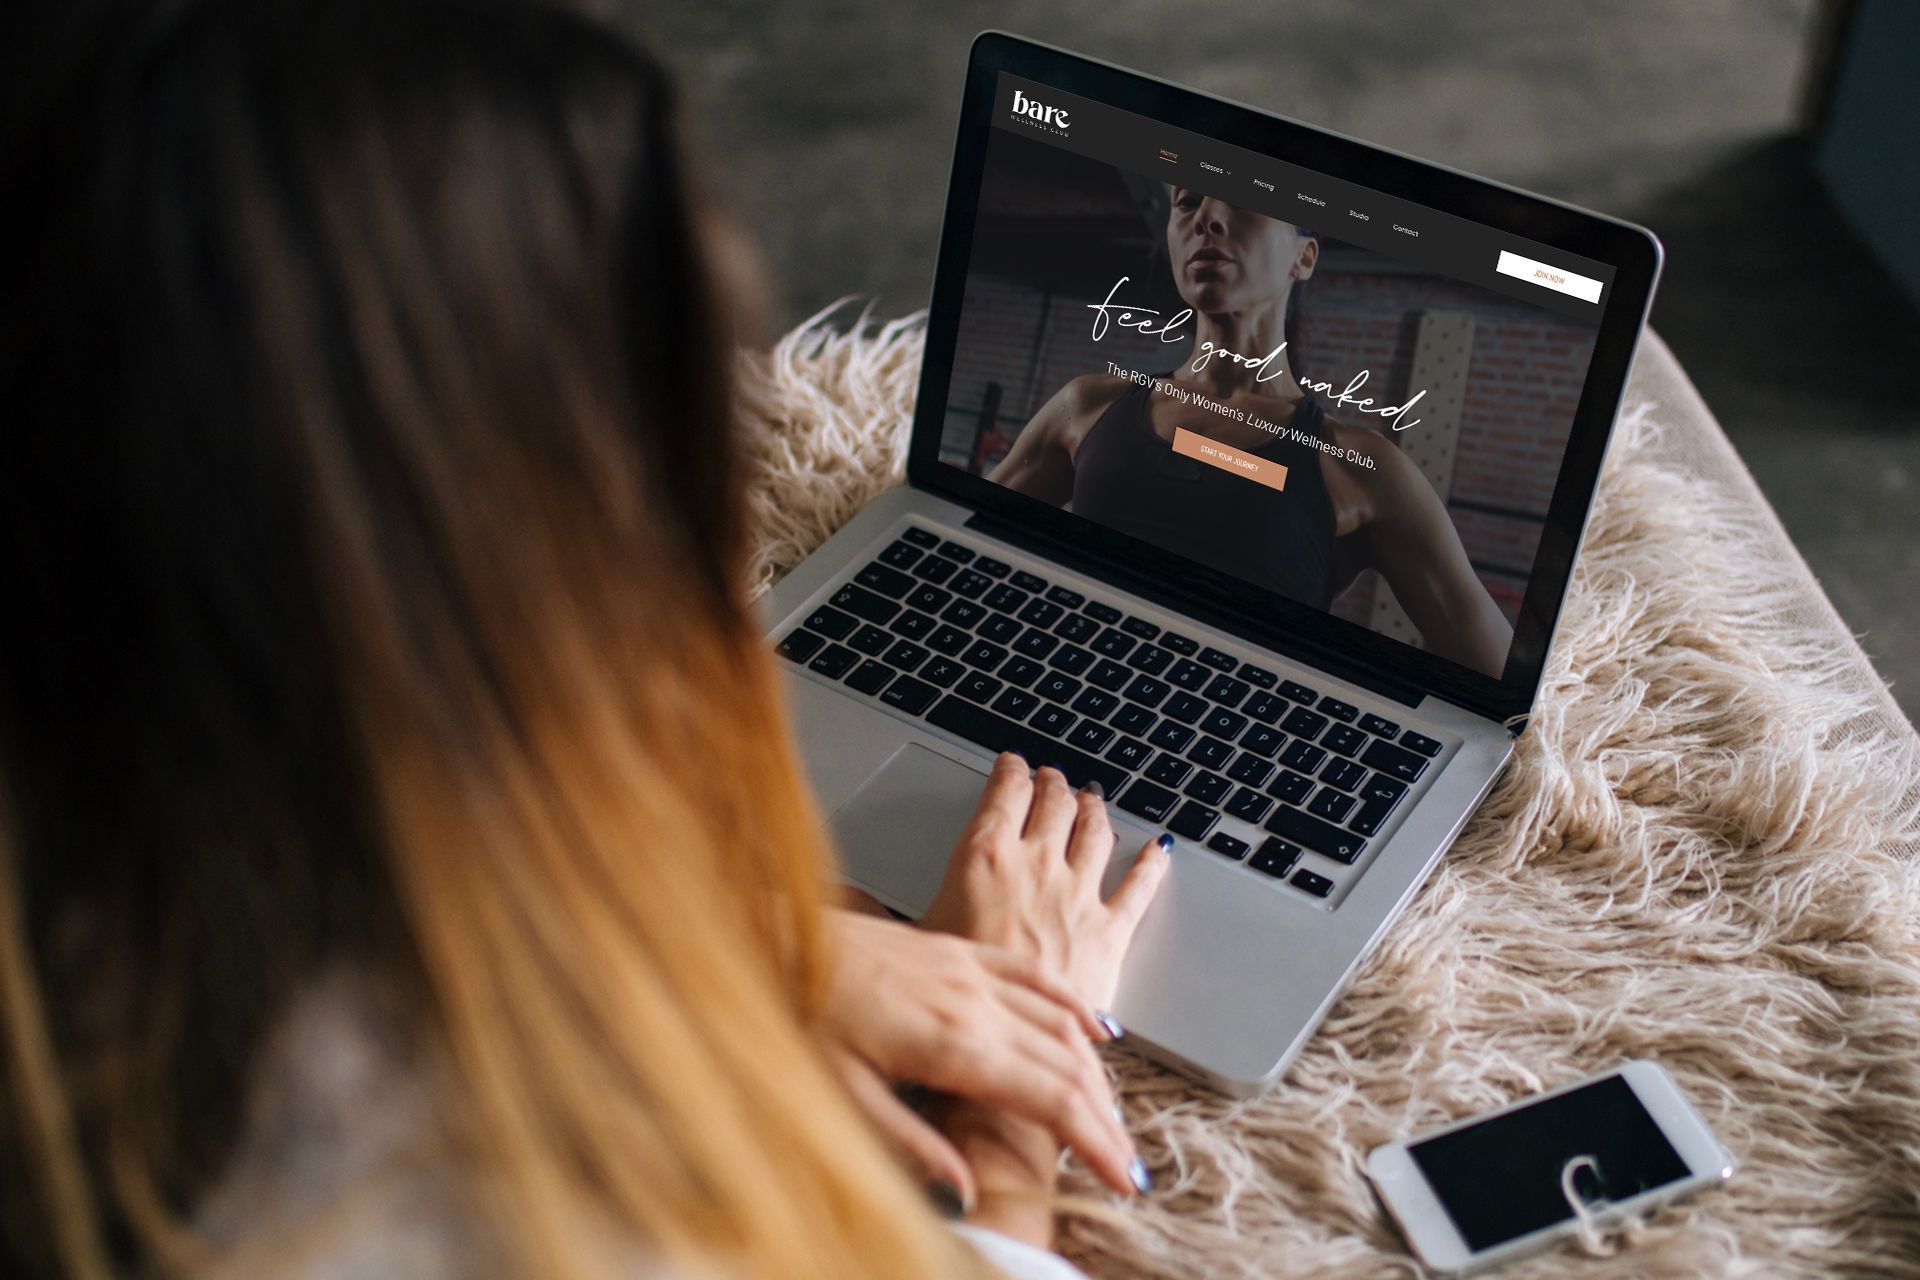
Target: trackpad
{"x":896,"y":832}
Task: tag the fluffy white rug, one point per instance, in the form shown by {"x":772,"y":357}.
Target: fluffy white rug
{"x":1703,"y":854}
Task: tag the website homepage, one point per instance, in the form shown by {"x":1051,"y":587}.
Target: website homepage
{"x":1356,"y":402}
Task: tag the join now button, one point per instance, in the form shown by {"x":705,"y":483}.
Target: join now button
{"x":1512,"y":264}
{"x":1241,"y":463}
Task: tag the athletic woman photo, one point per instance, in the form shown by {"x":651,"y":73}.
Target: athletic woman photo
{"x":404,"y":866}
{"x":1103,"y":445}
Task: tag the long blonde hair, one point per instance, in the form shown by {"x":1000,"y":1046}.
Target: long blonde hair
{"x":381,"y":603}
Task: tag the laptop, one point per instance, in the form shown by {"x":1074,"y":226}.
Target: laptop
{"x":1247,"y":471}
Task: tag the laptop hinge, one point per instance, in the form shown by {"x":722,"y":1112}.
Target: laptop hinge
{"x":1249,"y":628}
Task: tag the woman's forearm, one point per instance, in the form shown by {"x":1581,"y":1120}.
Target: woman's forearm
{"x":1016,"y":1166}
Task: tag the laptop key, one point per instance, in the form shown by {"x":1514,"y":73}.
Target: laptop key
{"x":1133,"y":719}
{"x":942,"y":672}
{"x":1345,"y":739}
{"x":1066,"y":597}
{"x":1343,"y":773}
{"x":1169,"y":770}
{"x":1248,"y":805}
{"x":1054,"y":721}
{"x":1275,"y":857}
{"x":800,"y":645}
{"x":949,"y":640}
{"x":1077,"y":627}
{"x":1016,"y":704}
{"x":862,"y":603}
{"x":887,"y":581}
{"x":1150,"y":658}
{"x":1021,"y":671}
{"x":1211,"y":752}
{"x":956,"y":553}
{"x":928,"y":599}
{"x":1070,"y":658}
{"x":1147,"y":691}
{"x":970,"y":584}
{"x":1420,"y":742}
{"x":1090,"y":736}
{"x":1371,"y":817}
{"x":835,"y":661}
{"x":1316,"y":834}
{"x":999,"y":628}
{"x":910,"y":695}
{"x":1148,"y":800}
{"x":1266,"y":707}
{"x":871,"y":641}
{"x":901,"y":554}
{"x":906,"y":655}
{"x":1227,"y":691}
{"x":1330,"y":804}
{"x":1029,"y":582}
{"x":1298,"y":692}
{"x":1114,"y":644}
{"x":1041,"y":613}
{"x":1193,"y":821}
{"x":830,"y":622}
{"x":1294,"y":788}
{"x":1140,"y":627}
{"x":1302,"y":723}
{"x":1105,"y":614}
{"x":1228,"y":846}
{"x":1036,"y":643}
{"x":991,"y":567}
{"x":1259,"y":677}
{"x":1303,"y":756}
{"x":1263,"y":741}
{"x":1218,"y":659}
{"x":997,"y":733}
{"x":1311,"y":881}
{"x":1339,"y":710}
{"x":1109,"y":675}
{"x":1056,"y":686}
{"x":920,"y":537}
{"x":1250,"y":769}
{"x":1185,"y":708}
{"x":936,"y":570}
{"x":1395,"y":762}
{"x":1180,"y":644}
{"x":869,"y":677}
{"x":1189,"y":675}
{"x":1004,"y":598}
{"x":913,"y":624}
{"x":1097,"y":703}
{"x":1379,"y":726}
{"x":1130,"y":753}
{"x":1383,"y":789}
{"x":1222,"y":723}
{"x":1171,"y":736}
{"x":984,"y":655}
{"x":1209,"y":788}
{"x":976,"y":687}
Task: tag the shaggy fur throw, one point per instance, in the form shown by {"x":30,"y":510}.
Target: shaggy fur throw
{"x":1702,"y":854}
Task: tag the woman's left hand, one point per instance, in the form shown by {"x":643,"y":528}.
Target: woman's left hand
{"x":967,"y":1019}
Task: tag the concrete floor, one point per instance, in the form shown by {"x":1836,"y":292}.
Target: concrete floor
{"x":827,"y":127}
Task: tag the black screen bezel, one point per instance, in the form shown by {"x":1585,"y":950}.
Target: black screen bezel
{"x":1301,"y":631}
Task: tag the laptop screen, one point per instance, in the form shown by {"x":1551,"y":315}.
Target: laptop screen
{"x":1332,"y":394}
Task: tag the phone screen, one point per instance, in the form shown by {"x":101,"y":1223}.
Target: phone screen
{"x":1502,"y":1178}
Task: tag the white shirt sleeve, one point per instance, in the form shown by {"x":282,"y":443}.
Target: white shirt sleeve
{"x":1016,"y":1258}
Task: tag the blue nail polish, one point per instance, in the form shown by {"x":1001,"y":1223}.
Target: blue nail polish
{"x":1109,"y":1023}
{"x":1166,"y":842}
{"x":1095,"y":790}
{"x":1138,"y":1175}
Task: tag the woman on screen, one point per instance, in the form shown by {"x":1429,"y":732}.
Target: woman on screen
{"x":1103,"y":444}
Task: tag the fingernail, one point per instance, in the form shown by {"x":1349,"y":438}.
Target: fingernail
{"x":946,"y":1198}
{"x":1138,"y":1175}
{"x":1166,"y":842}
{"x":1109,"y":1024}
{"x":1095,"y":790}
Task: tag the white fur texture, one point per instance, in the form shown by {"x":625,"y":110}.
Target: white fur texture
{"x":1703,"y":854}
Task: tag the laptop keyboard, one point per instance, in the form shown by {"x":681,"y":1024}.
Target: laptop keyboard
{"x":1177,"y":732}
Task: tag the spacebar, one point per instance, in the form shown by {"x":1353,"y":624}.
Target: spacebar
{"x":997,"y":733}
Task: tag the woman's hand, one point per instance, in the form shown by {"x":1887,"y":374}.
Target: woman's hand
{"x":983,"y":1024}
{"x":1026,"y":877}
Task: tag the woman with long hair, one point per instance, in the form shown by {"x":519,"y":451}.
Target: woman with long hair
{"x":404,"y":868}
{"x":1103,"y":444}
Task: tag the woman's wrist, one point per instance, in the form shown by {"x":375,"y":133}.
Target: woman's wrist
{"x":1016,"y":1166}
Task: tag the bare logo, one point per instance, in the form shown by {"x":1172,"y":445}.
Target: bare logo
{"x":1046,"y":117}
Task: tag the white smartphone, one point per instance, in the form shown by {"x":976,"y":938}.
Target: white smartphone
{"x":1491,"y":1188}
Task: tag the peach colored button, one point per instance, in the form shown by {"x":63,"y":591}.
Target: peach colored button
{"x":1241,"y":463}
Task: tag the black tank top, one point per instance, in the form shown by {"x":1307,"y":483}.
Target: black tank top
{"x":1129,"y":479}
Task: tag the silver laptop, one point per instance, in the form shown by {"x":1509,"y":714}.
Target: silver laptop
{"x":1246,"y":476}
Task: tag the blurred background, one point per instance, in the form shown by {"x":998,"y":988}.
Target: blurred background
{"x":1772,"y":144}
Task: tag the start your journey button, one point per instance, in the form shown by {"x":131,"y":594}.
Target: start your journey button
{"x":1259,"y":470}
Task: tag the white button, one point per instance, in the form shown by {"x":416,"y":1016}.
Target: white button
{"x":1512,"y":264}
